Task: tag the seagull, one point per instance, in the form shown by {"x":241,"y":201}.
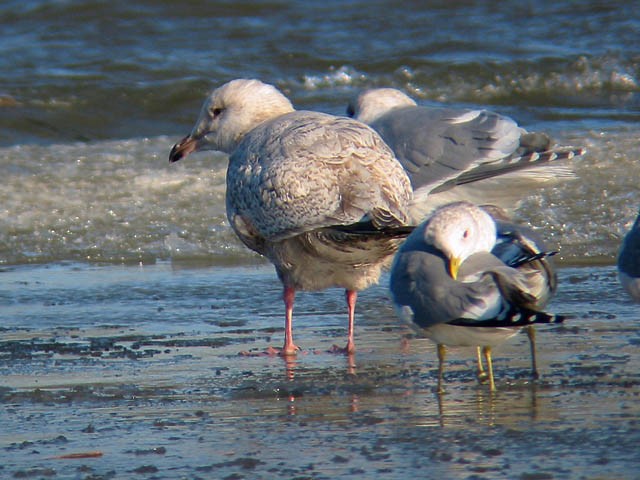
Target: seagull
{"x":629,"y":261}
{"x":448,"y":285}
{"x":522,"y":248}
{"x":321,"y":196}
{"x":460,"y":154}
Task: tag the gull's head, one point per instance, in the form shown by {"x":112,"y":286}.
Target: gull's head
{"x":229,"y":113}
{"x":370,"y":105}
{"x":459,"y":230}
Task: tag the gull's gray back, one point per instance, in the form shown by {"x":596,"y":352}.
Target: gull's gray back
{"x":419,"y":280}
{"x":438,"y":144}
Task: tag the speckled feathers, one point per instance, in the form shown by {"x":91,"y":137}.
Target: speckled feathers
{"x":307,"y":170}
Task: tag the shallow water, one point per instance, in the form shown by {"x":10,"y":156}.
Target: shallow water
{"x":142,"y":365}
{"x":125,"y":298}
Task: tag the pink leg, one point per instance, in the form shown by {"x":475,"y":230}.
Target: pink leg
{"x":289,"y":348}
{"x":351,"y":296}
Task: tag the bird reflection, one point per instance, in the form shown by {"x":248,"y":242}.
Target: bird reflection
{"x":293,"y":390}
{"x":290,"y":364}
{"x":487,"y":407}
{"x":453,"y":410}
{"x":351,"y":364}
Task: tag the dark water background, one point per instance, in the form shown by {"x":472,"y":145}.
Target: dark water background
{"x":125,"y":298}
{"x":93,"y":70}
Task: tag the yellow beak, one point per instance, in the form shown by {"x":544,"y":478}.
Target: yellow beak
{"x":454,"y":265}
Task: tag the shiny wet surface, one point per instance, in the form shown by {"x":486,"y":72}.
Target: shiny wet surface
{"x":138,"y":371}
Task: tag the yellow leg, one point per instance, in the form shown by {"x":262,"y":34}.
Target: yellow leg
{"x":441,"y":355}
{"x":531,"y":333}
{"x":487,"y":356}
{"x":482,"y":375}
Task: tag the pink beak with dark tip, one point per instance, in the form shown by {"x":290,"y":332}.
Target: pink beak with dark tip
{"x":183,"y":148}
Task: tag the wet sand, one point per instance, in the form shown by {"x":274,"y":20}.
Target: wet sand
{"x":136,"y":370}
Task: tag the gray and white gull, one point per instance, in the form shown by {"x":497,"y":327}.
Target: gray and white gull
{"x":629,"y":261}
{"x":461,"y":154}
{"x":448,"y":285}
{"x":321,"y":196}
{"x":522,"y":248}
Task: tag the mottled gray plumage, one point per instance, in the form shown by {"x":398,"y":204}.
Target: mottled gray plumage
{"x":454,"y":154}
{"x":322,"y":197}
{"x":629,"y":261}
{"x":305,"y":171}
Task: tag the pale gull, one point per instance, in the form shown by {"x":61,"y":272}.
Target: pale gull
{"x":445,"y":281}
{"x":629,"y":261}
{"x":322,"y":197}
{"x":461,"y":154}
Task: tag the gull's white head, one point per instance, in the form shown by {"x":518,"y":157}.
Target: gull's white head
{"x":459,"y":230}
{"x":370,"y":105}
{"x":229,"y":113}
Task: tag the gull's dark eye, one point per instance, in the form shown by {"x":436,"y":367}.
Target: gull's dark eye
{"x":216,"y":111}
{"x":465,"y":234}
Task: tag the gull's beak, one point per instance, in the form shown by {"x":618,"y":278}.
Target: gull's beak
{"x":454,"y":266}
{"x":183,"y":148}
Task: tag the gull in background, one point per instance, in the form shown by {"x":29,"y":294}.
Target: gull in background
{"x":461,"y":154}
{"x":629,"y":261}
{"x":322,"y":197}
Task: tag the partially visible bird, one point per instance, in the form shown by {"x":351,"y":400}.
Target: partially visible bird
{"x":461,"y":154}
{"x":322,"y":197}
{"x":447,"y":283}
{"x":629,"y":261}
{"x":522,"y":248}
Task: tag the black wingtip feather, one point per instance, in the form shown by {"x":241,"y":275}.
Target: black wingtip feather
{"x":521,"y":318}
{"x":513,"y":164}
